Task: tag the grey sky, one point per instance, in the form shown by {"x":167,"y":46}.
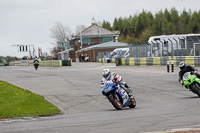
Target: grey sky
{"x":28,"y":21}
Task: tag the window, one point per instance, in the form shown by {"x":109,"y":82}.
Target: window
{"x":101,"y":40}
{"x":156,"y":39}
{"x":165,"y":43}
{"x":108,"y":39}
{"x":88,"y":40}
{"x":182,"y":43}
{"x":85,"y":40}
{"x":91,"y":40}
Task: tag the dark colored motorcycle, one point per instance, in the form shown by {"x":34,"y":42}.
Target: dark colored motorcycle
{"x":36,"y":64}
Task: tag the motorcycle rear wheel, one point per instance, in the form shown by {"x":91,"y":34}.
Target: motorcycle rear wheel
{"x":114,"y":99}
{"x":196,"y":89}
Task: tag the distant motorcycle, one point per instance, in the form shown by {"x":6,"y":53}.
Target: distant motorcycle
{"x":191,"y":82}
{"x":117,"y":96}
{"x":36,"y":64}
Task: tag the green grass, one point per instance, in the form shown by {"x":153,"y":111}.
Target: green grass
{"x":18,"y":102}
{"x":2,"y":64}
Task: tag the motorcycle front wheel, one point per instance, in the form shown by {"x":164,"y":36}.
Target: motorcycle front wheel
{"x":36,"y":67}
{"x":114,"y":99}
{"x":132,"y":103}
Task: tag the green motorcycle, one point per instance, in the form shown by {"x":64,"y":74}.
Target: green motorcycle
{"x":192,"y":82}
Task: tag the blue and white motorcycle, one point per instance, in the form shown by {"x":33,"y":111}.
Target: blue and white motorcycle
{"x":117,"y":96}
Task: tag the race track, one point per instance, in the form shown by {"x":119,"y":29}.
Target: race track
{"x":162,"y":103}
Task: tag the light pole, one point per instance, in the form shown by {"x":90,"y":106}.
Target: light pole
{"x":81,"y":40}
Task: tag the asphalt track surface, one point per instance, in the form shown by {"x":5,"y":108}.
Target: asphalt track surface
{"x":162,"y":103}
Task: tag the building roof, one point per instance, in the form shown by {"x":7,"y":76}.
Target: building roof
{"x":95,"y":30}
{"x":66,"y":51}
{"x":104,"y":46}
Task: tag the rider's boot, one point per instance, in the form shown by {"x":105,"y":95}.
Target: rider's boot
{"x":130,"y":94}
{"x":129,"y":91}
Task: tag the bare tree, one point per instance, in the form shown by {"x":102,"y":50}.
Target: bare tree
{"x":80,"y":28}
{"x":60,"y":32}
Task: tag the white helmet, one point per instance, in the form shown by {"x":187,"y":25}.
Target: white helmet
{"x":182,"y":65}
{"x":106,"y":73}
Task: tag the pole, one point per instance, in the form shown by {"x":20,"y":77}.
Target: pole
{"x":159,"y":51}
{"x":168,"y":64}
{"x":198,"y":46}
{"x":153,"y":49}
{"x":172,"y":64}
{"x":162,"y":48}
{"x":192,"y":46}
{"x":167,"y":46}
{"x":81,"y":40}
{"x":172,"y":53}
{"x":176,"y":44}
{"x":150,"y":54}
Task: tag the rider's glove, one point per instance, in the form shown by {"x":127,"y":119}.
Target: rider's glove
{"x":117,"y":83}
{"x":181,"y":82}
{"x":195,"y":72}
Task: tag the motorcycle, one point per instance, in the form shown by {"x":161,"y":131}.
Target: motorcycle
{"x":118,"y":96}
{"x":36,"y":64}
{"x":191,"y":82}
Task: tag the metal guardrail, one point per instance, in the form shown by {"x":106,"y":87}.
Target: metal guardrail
{"x":154,"y":61}
{"x":47,"y":63}
{"x":158,"y":61}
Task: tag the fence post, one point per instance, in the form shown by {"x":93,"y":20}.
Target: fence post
{"x":172,"y":64}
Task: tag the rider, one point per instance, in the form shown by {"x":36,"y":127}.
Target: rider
{"x":186,"y":68}
{"x":117,"y":79}
{"x":36,"y":60}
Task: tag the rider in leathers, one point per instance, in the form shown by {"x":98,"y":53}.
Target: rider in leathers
{"x":115,"y":78}
{"x":36,"y":60}
{"x":186,"y":68}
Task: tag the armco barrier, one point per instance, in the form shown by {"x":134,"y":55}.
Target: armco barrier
{"x":149,"y":61}
{"x":11,"y":63}
{"x":123,"y":61}
{"x":137,"y":61}
{"x":131,"y":61}
{"x":118,"y":62}
{"x":113,"y":60}
{"x":56,"y":63}
{"x":189,"y":60}
{"x":143,"y":61}
{"x":102,"y":60}
{"x":46,"y":63}
{"x":51,"y":63}
{"x":158,"y":61}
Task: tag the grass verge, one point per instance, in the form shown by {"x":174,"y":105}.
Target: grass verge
{"x":18,"y":102}
{"x":2,"y":64}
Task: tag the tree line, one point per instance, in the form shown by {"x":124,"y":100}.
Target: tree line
{"x":6,"y":59}
{"x":140,"y":27}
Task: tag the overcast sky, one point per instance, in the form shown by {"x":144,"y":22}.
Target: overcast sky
{"x":28,"y":22}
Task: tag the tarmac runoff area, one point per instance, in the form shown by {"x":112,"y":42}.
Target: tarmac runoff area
{"x":163,"y":105}
{"x":154,"y":69}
